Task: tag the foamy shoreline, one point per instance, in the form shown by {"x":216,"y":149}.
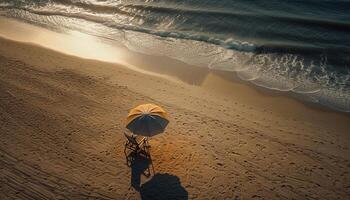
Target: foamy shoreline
{"x":91,"y":47}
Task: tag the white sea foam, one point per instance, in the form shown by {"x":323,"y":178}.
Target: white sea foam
{"x":278,"y":71}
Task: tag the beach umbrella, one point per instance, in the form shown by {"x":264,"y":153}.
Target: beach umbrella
{"x":147,"y":120}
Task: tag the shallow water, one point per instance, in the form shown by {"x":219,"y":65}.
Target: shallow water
{"x":298,"y":46}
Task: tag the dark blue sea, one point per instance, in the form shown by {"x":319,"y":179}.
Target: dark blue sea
{"x":298,"y":46}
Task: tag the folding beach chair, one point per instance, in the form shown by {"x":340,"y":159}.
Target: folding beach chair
{"x":136,"y":144}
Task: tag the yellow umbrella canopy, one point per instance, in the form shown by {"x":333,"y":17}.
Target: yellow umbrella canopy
{"x":147,"y":120}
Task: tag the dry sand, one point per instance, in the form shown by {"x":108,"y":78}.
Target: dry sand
{"x":62,"y":119}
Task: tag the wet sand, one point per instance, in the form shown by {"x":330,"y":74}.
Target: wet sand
{"x":62,"y":119}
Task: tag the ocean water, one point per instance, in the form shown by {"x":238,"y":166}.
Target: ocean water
{"x":298,"y":46}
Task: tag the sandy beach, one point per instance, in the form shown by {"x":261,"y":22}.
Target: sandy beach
{"x":62,"y":120}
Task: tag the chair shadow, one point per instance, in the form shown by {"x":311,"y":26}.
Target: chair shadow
{"x":141,"y":165}
{"x":163,"y":187}
{"x":160,"y":186}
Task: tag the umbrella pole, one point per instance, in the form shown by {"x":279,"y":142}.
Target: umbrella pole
{"x":147,"y":144}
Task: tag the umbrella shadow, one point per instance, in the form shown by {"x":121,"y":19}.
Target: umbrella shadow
{"x":140,"y":165}
{"x":163,"y":187}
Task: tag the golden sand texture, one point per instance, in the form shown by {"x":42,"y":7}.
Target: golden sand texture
{"x":62,"y":119}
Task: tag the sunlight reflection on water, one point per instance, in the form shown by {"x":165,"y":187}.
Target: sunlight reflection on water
{"x":73,"y":42}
